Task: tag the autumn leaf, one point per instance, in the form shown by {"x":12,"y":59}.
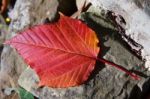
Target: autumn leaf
{"x":63,"y":54}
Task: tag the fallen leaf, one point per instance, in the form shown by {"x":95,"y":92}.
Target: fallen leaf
{"x":63,"y":54}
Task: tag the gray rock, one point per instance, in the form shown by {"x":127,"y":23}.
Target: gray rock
{"x":105,"y":82}
{"x":136,"y":16}
{"x":110,"y":83}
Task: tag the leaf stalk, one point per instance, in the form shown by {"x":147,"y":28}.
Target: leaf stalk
{"x":119,"y":67}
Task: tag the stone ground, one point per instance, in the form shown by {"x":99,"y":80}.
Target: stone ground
{"x":105,"y":82}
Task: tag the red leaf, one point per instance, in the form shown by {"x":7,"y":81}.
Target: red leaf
{"x":63,"y":54}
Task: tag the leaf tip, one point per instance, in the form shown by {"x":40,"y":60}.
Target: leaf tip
{"x":7,"y":42}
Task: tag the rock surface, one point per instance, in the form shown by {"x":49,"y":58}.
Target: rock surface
{"x":136,"y":14}
{"x":105,"y":82}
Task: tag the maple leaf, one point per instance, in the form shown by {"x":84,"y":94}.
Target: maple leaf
{"x":63,"y":54}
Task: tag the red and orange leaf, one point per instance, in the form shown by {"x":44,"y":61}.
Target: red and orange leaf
{"x":62,"y":54}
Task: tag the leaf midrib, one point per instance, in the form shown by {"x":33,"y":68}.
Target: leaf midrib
{"x":91,"y":57}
